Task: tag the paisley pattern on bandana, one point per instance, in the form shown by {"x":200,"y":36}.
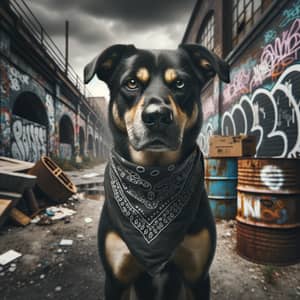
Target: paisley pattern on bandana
{"x":151,"y":198}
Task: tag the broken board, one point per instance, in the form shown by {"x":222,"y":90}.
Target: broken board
{"x":4,"y":206}
{"x":19,"y":217}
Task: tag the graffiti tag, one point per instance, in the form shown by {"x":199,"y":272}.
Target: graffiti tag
{"x":28,"y":140}
{"x":265,"y":115}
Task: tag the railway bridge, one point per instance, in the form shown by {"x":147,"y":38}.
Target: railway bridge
{"x":44,"y":106}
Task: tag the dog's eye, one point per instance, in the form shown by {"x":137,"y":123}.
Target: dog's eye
{"x":179,"y":84}
{"x":132,"y":84}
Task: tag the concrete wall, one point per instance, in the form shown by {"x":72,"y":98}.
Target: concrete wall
{"x":263,"y":98}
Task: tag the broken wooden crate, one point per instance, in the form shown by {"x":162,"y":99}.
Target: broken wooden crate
{"x":52,"y":180}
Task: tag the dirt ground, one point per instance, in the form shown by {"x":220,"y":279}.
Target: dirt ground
{"x":49,"y":271}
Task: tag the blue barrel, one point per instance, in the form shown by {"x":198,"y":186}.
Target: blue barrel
{"x":221,"y":186}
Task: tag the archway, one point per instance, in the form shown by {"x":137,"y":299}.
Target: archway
{"x":81,"y":141}
{"x":90,"y":145}
{"x":29,"y":128}
{"x":97,"y":148}
{"x":66,"y":137}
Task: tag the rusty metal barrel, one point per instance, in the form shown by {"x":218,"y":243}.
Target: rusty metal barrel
{"x":221,"y":182}
{"x":268,"y":217}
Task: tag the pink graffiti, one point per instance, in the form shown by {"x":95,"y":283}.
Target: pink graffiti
{"x":209,"y":107}
{"x":239,"y":85}
{"x":277,"y":56}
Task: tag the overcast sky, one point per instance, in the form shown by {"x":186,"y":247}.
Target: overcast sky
{"x":97,"y":24}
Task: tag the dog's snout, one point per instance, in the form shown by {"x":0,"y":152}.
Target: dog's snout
{"x":157,"y":116}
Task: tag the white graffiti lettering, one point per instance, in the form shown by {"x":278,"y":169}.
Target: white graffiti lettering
{"x":65,"y":150}
{"x":254,"y":115}
{"x":28,"y":140}
{"x":251,"y":207}
{"x":272,"y":177}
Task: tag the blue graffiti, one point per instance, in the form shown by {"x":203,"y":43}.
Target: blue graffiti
{"x":270,"y":36}
{"x":291,"y":14}
{"x":283,"y":216}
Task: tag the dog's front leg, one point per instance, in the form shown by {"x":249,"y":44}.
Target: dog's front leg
{"x":123,"y":268}
{"x":193,"y":257}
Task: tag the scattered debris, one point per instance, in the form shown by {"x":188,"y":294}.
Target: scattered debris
{"x":12,"y":269}
{"x":45,"y":220}
{"x":49,"y":212}
{"x":58,"y":289}
{"x":35,"y":220}
{"x":88,"y":220}
{"x":52,"y":180}
{"x":19,"y":217}
{"x":61,"y":212}
{"x":9,"y":256}
{"x":65,"y":242}
{"x":91,"y":175}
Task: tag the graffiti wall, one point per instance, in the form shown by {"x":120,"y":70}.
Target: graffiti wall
{"x":13,"y":84}
{"x":33,"y":99}
{"x":28,"y":141}
{"x":263,"y":97}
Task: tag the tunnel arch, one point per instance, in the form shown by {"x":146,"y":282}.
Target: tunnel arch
{"x":81,"y":141}
{"x":30,"y":107}
{"x":66,"y":137}
{"x":90,"y":145}
{"x":29,"y":127}
{"x":97,"y":148}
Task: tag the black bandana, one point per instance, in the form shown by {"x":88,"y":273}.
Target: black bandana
{"x":152,"y":207}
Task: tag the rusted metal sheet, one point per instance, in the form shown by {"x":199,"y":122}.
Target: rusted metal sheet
{"x":272,"y":175}
{"x":269,"y":210}
{"x":221,"y":181}
{"x":268,"y":245}
{"x":52,"y":180}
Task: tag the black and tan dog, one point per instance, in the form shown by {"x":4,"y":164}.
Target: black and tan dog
{"x":156,"y":234}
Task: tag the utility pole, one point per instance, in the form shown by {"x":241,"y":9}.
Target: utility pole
{"x":67,"y":48}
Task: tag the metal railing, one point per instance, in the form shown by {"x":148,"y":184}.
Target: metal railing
{"x":33,"y":25}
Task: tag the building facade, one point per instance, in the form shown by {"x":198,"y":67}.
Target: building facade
{"x":260,"y":39}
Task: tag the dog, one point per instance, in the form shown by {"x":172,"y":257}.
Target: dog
{"x":156,"y":235}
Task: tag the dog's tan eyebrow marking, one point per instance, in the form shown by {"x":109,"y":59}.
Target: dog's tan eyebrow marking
{"x":170,"y":75}
{"x":143,"y":75}
{"x":204,"y":64}
{"x":107,"y":64}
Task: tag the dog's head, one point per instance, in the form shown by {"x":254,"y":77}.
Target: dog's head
{"x":155,"y":95}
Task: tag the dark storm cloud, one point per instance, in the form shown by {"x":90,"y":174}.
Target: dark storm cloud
{"x":144,"y":13}
{"x":96,"y":24}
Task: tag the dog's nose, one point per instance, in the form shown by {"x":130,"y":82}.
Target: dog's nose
{"x":157,"y":116}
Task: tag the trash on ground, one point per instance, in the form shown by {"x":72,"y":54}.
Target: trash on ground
{"x":58,"y":289}
{"x":65,"y":242}
{"x":60,"y":212}
{"x":88,"y":220}
{"x":19,"y":217}
{"x":91,"y":175}
{"x":9,"y":256}
{"x":45,"y":220}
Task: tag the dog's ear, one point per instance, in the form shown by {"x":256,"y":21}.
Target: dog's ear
{"x":104,"y":64}
{"x":207,"y":63}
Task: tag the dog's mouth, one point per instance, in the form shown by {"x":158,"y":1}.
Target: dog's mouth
{"x":156,"y":145}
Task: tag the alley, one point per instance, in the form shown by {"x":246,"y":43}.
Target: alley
{"x":47,"y":270}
